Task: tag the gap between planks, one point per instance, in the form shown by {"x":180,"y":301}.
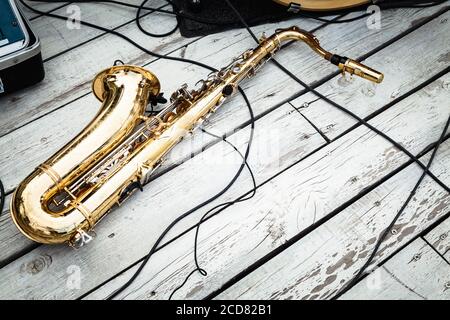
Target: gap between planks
{"x":173,"y":271}
{"x":376,"y":143}
{"x":417,"y":272}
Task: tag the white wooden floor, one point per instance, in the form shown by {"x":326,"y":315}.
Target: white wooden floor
{"x":308,"y":229}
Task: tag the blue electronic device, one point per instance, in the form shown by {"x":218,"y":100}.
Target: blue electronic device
{"x":20,"y":50}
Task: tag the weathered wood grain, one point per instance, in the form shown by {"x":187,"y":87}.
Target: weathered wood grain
{"x":308,"y":67}
{"x":51,"y":132}
{"x":69,"y":76}
{"x":74,"y":294}
{"x":42,"y":6}
{"x":439,"y":238}
{"x":317,"y":266}
{"x":13,"y":242}
{"x":297,"y":141}
{"x":58,"y":35}
{"x":263,"y":94}
{"x":303,"y":63}
{"x":402,"y":73}
{"x":296,"y":199}
{"x":45,"y":136}
{"x":415,"y":273}
{"x":37,"y":141}
{"x":46,"y":141}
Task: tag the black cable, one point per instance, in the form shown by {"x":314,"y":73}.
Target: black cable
{"x":336,"y":105}
{"x":118,"y":34}
{"x":189,"y":212}
{"x":159,"y":10}
{"x":2,"y":197}
{"x":305,"y":14}
{"x":381,"y":5}
{"x":212,"y":212}
{"x":211,"y":199}
{"x":396,"y":144}
{"x":365,"y":123}
{"x":155,"y":35}
{"x":362,"y":16}
{"x":138,"y":16}
{"x":383,"y":236}
{"x":409,"y":4}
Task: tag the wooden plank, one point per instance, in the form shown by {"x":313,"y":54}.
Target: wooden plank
{"x":263,"y":95}
{"x":296,"y":199}
{"x":439,"y":238}
{"x":298,"y":139}
{"x":58,"y":35}
{"x":49,"y":138}
{"x":172,"y":209}
{"x":50,"y":132}
{"x":45,"y":136}
{"x":63,"y":85}
{"x":42,"y":6}
{"x":402,"y":73}
{"x":37,"y":141}
{"x":416,"y":273}
{"x":12,"y":242}
{"x":304,"y":63}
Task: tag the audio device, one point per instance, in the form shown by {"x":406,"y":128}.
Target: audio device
{"x":20,"y":50}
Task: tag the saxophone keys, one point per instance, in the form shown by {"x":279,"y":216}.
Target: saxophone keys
{"x":236,"y":69}
{"x":263,"y":37}
{"x":144,"y":118}
{"x":169,"y":117}
{"x":143,"y":83}
{"x":200,"y":83}
{"x":227,"y":91}
{"x":206,"y":121}
{"x":197,"y":124}
{"x":131,"y":188}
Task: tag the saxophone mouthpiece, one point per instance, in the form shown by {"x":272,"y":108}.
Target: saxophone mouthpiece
{"x":354,"y":67}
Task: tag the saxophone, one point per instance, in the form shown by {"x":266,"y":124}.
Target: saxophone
{"x":66,"y":196}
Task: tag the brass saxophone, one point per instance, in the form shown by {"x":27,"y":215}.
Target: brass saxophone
{"x":67,"y":195}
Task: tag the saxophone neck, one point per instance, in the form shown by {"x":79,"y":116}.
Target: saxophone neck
{"x":273,"y":43}
{"x":294,"y":33}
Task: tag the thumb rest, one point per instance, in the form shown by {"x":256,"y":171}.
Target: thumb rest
{"x":66,"y":196}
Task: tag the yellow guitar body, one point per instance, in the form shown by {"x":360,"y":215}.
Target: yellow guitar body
{"x":321,"y":5}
